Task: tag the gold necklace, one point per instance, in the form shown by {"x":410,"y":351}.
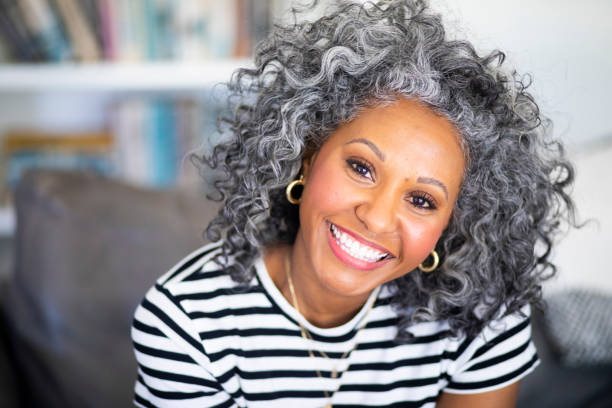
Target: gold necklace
{"x":308,"y":337}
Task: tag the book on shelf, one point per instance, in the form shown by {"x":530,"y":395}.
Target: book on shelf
{"x":91,"y":12}
{"x":155,"y":138}
{"x":18,"y":140}
{"x":5,"y":53}
{"x":80,"y":30}
{"x":148,"y":143}
{"x":39,"y":20}
{"x":191,"y":129}
{"x":25,"y":149}
{"x":108,"y":32}
{"x":132,"y":30}
{"x":143,"y":130}
{"x":22,"y":44}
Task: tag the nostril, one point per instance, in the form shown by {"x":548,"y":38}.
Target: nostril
{"x":378,"y":217}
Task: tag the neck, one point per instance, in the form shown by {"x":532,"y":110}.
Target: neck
{"x":320,"y":306}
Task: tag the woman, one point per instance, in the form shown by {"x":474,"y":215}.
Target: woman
{"x":402,"y":273}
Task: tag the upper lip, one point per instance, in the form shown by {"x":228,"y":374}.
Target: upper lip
{"x":364,"y":241}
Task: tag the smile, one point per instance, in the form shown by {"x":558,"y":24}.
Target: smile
{"x":357,"y":249}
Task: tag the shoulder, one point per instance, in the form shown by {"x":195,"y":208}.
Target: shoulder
{"x":197,"y":275}
{"x":199,"y":282}
{"x":198,"y":288}
{"x":173,"y":361}
{"x":502,"y":353}
{"x":160,"y":320}
{"x":198,"y":262}
{"x":193,"y":298}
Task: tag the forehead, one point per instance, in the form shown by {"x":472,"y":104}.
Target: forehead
{"x":407,"y":140}
{"x":398,"y":123}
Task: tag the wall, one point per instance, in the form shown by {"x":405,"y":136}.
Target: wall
{"x":583,"y":255}
{"x":566,"y":46}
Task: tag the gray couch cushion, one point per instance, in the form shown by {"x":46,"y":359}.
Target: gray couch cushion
{"x":87,"y":249}
{"x":579,"y":326}
{"x":554,"y":384}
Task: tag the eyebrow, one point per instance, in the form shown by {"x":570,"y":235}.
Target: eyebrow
{"x":435,"y":182}
{"x":371,"y":145}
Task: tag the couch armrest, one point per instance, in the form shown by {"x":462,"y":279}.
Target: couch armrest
{"x":553,"y":384}
{"x":87,"y":249}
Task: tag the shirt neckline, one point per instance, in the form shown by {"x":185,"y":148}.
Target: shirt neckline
{"x":288,"y":309}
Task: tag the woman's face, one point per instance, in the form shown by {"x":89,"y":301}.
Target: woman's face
{"x":378,"y":195}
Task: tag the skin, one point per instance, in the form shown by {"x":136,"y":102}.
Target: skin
{"x":502,"y":398}
{"x":389,"y":178}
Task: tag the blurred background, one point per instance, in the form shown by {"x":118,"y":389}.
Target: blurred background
{"x":565,"y":47}
{"x":128,"y":88}
{"x":123,"y":88}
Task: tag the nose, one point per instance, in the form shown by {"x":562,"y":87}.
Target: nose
{"x":378,"y":212}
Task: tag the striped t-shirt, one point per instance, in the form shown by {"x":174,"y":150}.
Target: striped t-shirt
{"x":201,"y":340}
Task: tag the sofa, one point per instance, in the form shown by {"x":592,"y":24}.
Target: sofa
{"x":87,"y":248}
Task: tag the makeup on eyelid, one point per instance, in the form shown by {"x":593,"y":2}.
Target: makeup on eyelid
{"x":381,"y":156}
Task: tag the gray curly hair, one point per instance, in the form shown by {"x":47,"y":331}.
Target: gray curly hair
{"x":310,"y":77}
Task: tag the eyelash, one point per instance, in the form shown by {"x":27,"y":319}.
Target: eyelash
{"x":430,"y":202}
{"x":358,"y":166}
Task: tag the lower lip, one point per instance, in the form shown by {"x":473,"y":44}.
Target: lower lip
{"x":349,"y":259}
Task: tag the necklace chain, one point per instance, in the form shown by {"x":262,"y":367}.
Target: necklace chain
{"x":308,"y":337}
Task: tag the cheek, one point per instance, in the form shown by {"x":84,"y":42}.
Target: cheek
{"x":324,"y":191}
{"x":421,"y":239}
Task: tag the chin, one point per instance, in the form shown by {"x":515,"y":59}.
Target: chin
{"x":349,"y":287}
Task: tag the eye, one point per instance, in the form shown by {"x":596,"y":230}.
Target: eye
{"x":361,"y":168}
{"x":422,"y":200}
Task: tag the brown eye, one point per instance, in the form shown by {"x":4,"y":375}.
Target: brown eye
{"x":360,"y":168}
{"x":422,"y":200}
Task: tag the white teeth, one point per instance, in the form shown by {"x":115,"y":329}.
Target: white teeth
{"x":355,"y":248}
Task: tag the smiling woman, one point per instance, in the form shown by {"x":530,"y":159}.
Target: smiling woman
{"x":403,"y":272}
{"x":377,"y":196}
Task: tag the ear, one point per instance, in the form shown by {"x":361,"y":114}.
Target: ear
{"x":307,"y":164}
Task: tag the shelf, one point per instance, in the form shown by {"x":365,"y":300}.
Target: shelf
{"x":117,"y":76}
{"x":7,"y":221}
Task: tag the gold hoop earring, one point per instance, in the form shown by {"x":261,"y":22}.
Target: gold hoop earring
{"x":289,"y":190}
{"x":434,"y":265}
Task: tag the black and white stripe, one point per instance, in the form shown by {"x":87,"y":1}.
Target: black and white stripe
{"x":201,"y":341}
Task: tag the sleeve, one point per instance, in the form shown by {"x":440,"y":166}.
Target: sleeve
{"x":500,"y":355}
{"x":172,"y":364}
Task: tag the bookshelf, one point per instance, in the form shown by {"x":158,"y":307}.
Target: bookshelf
{"x":144,"y":72}
{"x":7,"y":221}
{"x":101,"y":79}
{"x":118,"y":76}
